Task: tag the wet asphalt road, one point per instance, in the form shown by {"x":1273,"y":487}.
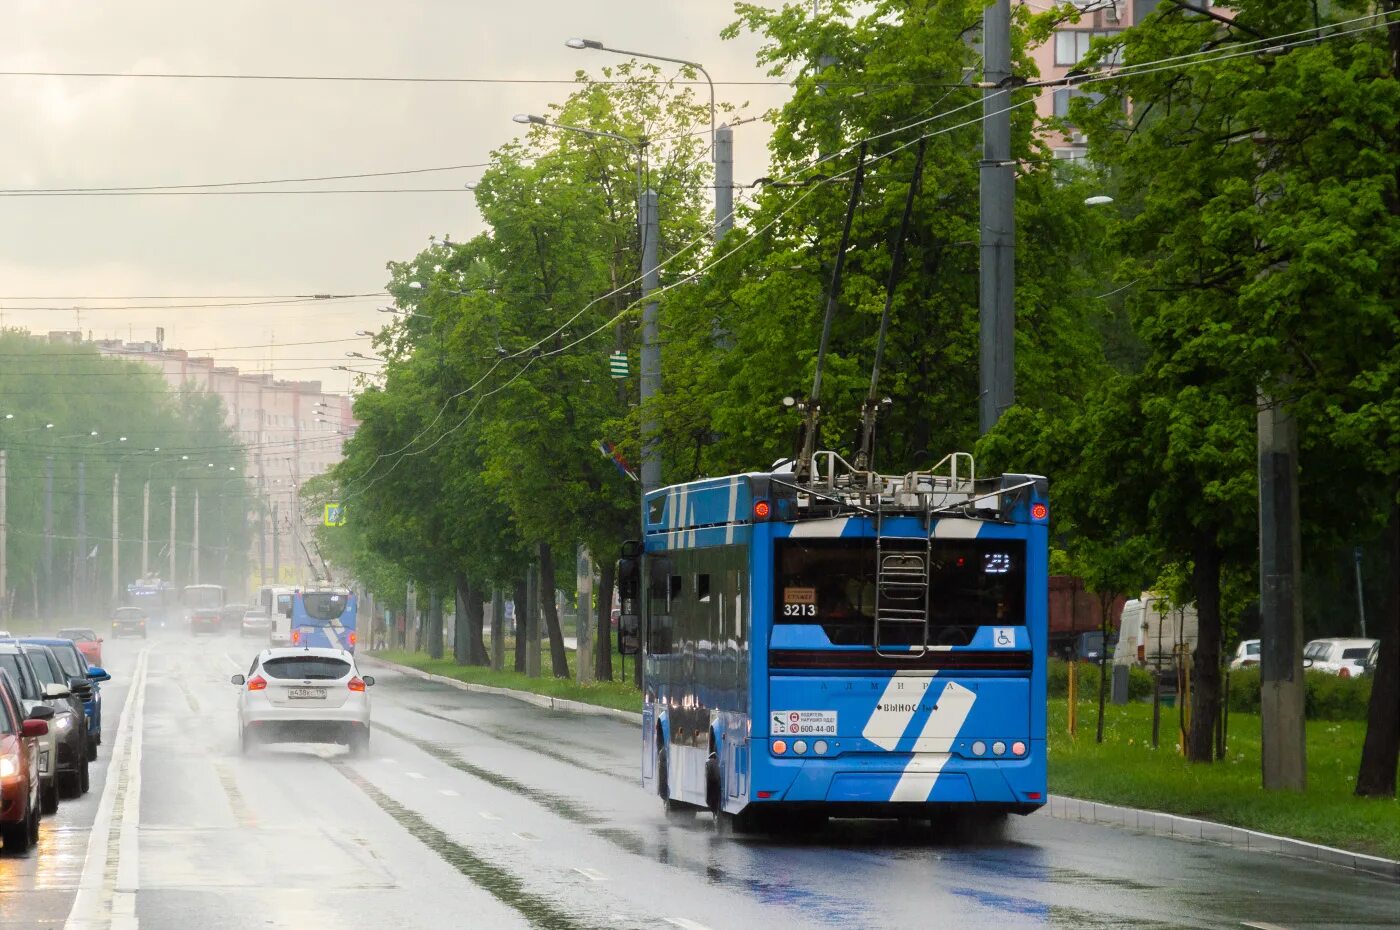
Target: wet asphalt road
{"x":479,"y":811}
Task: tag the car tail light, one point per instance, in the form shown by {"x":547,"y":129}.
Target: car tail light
{"x":357,"y":684}
{"x":352,"y":637}
{"x":296,"y":637}
{"x":257,"y":683}
{"x":1344,"y":672}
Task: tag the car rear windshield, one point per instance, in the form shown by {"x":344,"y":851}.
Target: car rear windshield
{"x":19,"y":671}
{"x":128,"y":613}
{"x":78,"y":636}
{"x":325,"y":605}
{"x":68,"y":658}
{"x":1359,"y":652}
{"x":313,"y":667}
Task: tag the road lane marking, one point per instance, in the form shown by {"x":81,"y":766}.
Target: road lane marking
{"x":448,"y":792}
{"x":106,"y":890}
{"x":591,"y":874}
{"x":685,"y":923}
{"x":387,"y":761}
{"x":528,"y":837}
{"x":415,"y":774}
{"x":487,"y":815}
{"x":1261,"y":925}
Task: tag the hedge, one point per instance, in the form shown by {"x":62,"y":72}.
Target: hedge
{"x":1057,"y":680}
{"x":1329,"y":697}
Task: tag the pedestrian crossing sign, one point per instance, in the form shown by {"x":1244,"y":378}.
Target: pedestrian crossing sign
{"x":335,"y":514}
{"x":617,"y":364}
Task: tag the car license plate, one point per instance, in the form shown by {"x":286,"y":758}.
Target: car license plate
{"x":314,"y":694}
{"x":43,"y":763}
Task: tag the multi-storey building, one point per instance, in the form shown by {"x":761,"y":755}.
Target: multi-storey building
{"x":293,"y":430}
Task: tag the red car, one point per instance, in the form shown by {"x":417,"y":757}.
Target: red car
{"x":87,"y":641}
{"x":19,"y":768}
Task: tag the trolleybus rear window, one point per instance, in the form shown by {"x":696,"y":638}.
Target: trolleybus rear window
{"x":833,"y":583}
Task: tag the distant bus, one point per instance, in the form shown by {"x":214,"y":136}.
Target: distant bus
{"x":275,"y":601}
{"x":155,"y":597}
{"x":197,"y":596}
{"x":851,"y":644}
{"x":324,"y":616}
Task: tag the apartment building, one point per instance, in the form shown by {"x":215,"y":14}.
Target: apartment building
{"x":293,"y":431}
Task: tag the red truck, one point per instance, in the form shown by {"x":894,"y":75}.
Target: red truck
{"x":1076,"y":618}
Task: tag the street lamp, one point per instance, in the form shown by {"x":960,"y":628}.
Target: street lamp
{"x":368,"y":358}
{"x":639,"y":145}
{"x":599,"y":46}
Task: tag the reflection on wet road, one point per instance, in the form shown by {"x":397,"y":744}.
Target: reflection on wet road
{"x":491,"y":813}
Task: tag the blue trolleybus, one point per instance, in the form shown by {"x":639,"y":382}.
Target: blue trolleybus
{"x":323,"y":616}
{"x":846,"y":644}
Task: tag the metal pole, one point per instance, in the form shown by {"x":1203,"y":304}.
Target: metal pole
{"x":724,"y":181}
{"x":498,"y":630}
{"x":651,"y":344}
{"x":584,"y":625}
{"x":172,"y":531}
{"x":146,"y":527}
{"x":116,"y":539}
{"x":1282,"y":692}
{"x":48,"y":533}
{"x":277,"y":547}
{"x":997,"y":313}
{"x":80,"y":579}
{"x":196,"y":535}
{"x":1360,"y":594}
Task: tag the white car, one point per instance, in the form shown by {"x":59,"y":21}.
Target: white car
{"x":304,"y":695}
{"x":1342,"y":657}
{"x":1246,"y":655}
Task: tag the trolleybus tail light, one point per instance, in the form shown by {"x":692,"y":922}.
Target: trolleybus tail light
{"x":799,"y":747}
{"x":765,"y":794}
{"x":779,"y":747}
{"x":761,"y":510}
{"x":1039,"y":511}
{"x":1018,"y":748}
{"x":358,"y":684}
{"x":257,"y":683}
{"x":352,"y":637}
{"x":1032,"y":795}
{"x":296,"y":637}
{"x":998,"y":748}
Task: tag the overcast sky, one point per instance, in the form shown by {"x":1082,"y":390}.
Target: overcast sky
{"x":66,"y":132}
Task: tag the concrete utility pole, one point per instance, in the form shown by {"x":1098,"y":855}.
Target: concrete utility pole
{"x":173,"y":541}
{"x":724,"y":182}
{"x":530,"y":629}
{"x":997,"y":310}
{"x":116,"y":540}
{"x":146,"y":527}
{"x":584,"y":625}
{"x":1282,"y":691}
{"x":276,"y":547}
{"x":410,"y":619}
{"x":4,"y":538}
{"x":651,"y":346}
{"x":434,"y":625}
{"x":498,"y":630}
{"x":80,"y":576}
{"x":48,"y":532}
{"x":195,"y":570}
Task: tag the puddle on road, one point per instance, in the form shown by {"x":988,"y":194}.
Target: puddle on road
{"x":500,"y":884}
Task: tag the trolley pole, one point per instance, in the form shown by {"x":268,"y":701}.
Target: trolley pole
{"x":997,"y":208}
{"x":651,"y":346}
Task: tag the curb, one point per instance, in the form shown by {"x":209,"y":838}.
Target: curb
{"x":1059,"y":806}
{"x":1207,"y":831}
{"x":526,"y":697}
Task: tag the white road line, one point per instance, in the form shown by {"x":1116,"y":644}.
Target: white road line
{"x":415,"y":775}
{"x":387,"y":761}
{"x":685,"y":923}
{"x":528,"y":837}
{"x":1260,"y":925}
{"x":592,"y":874}
{"x":487,"y":815}
{"x":237,"y":666}
{"x":90,"y":906}
{"x":448,"y":792}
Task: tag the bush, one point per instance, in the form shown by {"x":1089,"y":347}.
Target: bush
{"x":1329,"y":697}
{"x":1057,"y":680}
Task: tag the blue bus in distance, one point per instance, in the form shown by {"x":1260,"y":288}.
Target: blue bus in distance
{"x":323,"y":616}
{"x":847,"y":644}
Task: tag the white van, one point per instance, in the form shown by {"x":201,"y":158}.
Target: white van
{"x":1151,"y":632}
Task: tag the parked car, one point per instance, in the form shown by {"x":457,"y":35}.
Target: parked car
{"x":255,"y":622}
{"x":70,"y":720}
{"x":84,"y":680}
{"x":1337,"y":656}
{"x":14,"y":661}
{"x":231,"y":616}
{"x":1368,"y":664}
{"x":1246,"y":655}
{"x":304,"y":695}
{"x":1151,"y":632}
{"x":206,"y":620}
{"x":87,"y":641}
{"x":130,"y":621}
{"x":20,"y":801}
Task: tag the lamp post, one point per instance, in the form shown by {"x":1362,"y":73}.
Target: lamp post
{"x":649,"y":224}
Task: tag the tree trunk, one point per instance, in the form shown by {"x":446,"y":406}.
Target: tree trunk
{"x":476,"y":625}
{"x":602,"y":645}
{"x":557,"y":657}
{"x":1205,"y":678}
{"x":1380,"y":753}
{"x":435,"y":625}
{"x":521,"y":597}
{"x":461,"y":639}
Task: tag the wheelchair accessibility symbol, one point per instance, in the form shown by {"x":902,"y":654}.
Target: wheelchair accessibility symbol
{"x":1004,"y":637}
